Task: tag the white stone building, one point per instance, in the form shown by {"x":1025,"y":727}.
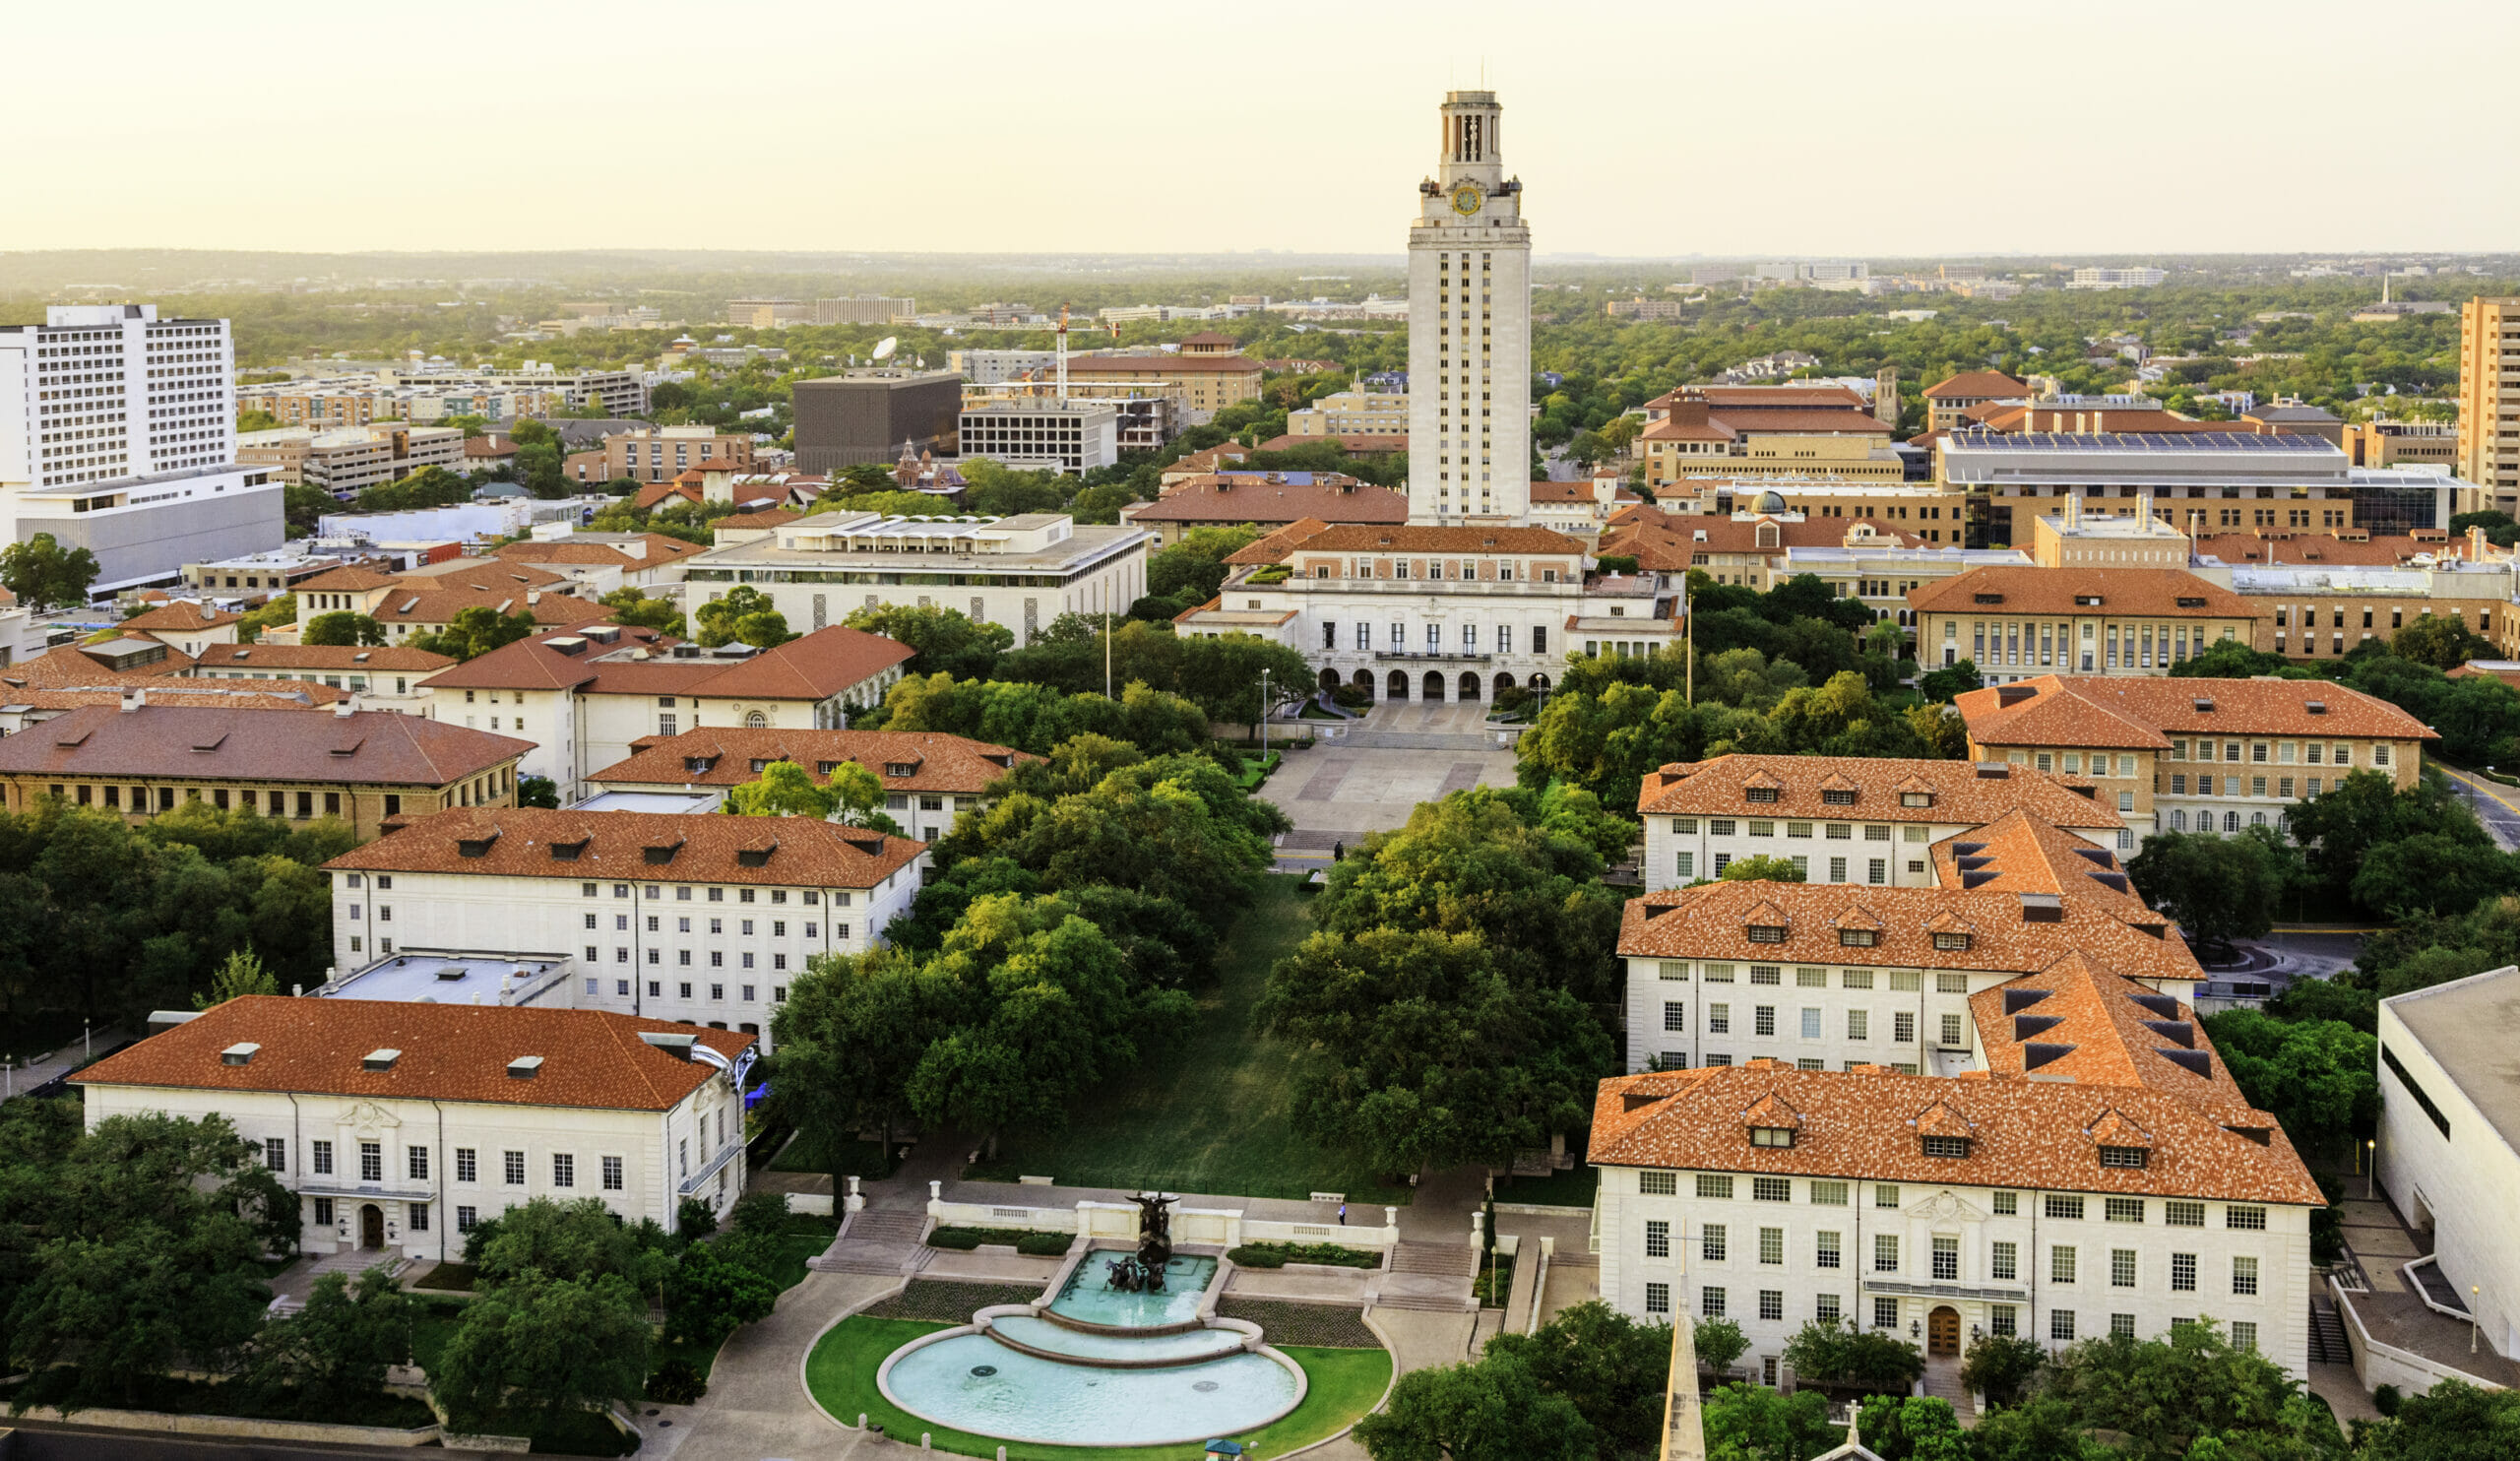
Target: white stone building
{"x":401,"y":1126}
{"x":1470,"y":310}
{"x":1021,"y":572}
{"x":930,"y":777}
{"x":701,"y":919}
{"x":1844,"y":819}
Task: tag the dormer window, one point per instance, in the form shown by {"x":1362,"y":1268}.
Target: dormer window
{"x":1916,"y":798}
{"x":1771,"y":1136}
{"x":2135,"y":1158}
{"x":1838,"y":797}
{"x":1766,"y":934}
{"x":698,"y":765}
{"x":1760,"y":793}
{"x":1859,"y":938}
{"x":1952,"y":1148}
{"x":1956,"y":942}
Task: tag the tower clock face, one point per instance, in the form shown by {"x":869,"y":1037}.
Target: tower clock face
{"x":1467,"y":199}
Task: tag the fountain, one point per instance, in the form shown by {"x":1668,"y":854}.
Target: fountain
{"x":1124,"y":1348}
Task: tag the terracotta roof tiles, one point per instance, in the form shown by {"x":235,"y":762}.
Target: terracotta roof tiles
{"x":191,"y":743}
{"x":727,"y":756}
{"x":537,"y":842}
{"x":2119,"y":592}
{"x":1975,"y":385}
{"x":180,"y":616}
{"x":2145,"y":710}
{"x":1956,"y":792}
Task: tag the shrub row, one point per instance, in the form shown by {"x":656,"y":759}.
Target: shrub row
{"x":963,"y":1239}
{"x":1280,"y":1255}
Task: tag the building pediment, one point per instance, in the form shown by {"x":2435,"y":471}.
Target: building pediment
{"x":1945,"y":1206}
{"x":367,"y":1119}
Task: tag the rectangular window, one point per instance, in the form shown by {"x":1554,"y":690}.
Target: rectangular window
{"x":1886,"y":1197}
{"x":323,"y":1157}
{"x":1828,"y":1195}
{"x":1657,"y":1299}
{"x":1771,"y":1305}
{"x":1885,"y":1253}
{"x":2003,"y":1260}
{"x":2060,"y":1265}
{"x":1658,"y":1184}
{"x":467,"y":1168}
{"x":1772,"y":1247}
{"x":2251,"y":1218}
{"x":1902,"y":1027}
{"x":2003,"y":1319}
{"x":1771,"y":1190}
{"x":2243,"y":1335}
{"x":466,"y":1218}
{"x":1675,"y":1015}
{"x":2067,"y":1209}
{"x":2183,"y":1273}
{"x":512,"y":1169}
{"x":371,"y":1161}
{"x":416,"y":1163}
{"x":1719,"y":1019}
{"x":1688,"y":865}
{"x":1951,"y":1036}
{"x":418,"y":1214}
{"x":2123,"y":1209}
{"x":2183,"y":1214}
{"x":2121,"y":1325}
{"x":1711,"y":1186}
{"x":1858,"y":1024}
{"x":2007,"y":1204}
{"x":2243,"y":1275}
{"x":2061,"y":1325}
{"x":1658,"y":1238}
{"x":564,"y":1170}
{"x":2121,"y":1268}
{"x":1825,"y":1252}
{"x":1763,"y":1019}
{"x":1946,"y":1259}
{"x":1885,"y":1314}
{"x":322,"y":1211}
{"x":1810,"y":1023}
{"x":1709,"y":1302}
{"x":276,"y":1153}
{"x":1824,"y":1308}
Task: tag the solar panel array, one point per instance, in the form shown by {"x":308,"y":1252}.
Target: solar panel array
{"x":2178,"y":441}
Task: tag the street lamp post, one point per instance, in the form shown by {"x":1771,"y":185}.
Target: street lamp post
{"x":1264,"y":714}
{"x":2370,"y":1162}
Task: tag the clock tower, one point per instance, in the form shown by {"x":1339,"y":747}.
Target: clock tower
{"x":1470,"y":314}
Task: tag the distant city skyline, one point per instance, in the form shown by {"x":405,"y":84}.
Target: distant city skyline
{"x":1640,"y":131}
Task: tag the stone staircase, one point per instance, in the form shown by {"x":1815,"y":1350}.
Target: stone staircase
{"x":1943,"y":1381}
{"x":1431,"y":1276}
{"x":295,"y":1283}
{"x":2327,"y":1334}
{"x":1451,"y":1259}
{"x":876,"y":1241}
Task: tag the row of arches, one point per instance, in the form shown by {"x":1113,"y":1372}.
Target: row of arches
{"x":1468,"y":689}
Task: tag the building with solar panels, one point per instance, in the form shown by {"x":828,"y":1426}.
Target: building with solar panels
{"x":2201,"y":483}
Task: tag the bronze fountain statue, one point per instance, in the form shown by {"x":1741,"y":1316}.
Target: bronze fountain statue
{"x":1142,"y":1271}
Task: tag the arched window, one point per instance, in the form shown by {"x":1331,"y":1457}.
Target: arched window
{"x":756,"y":721}
{"x":2177,"y":820}
{"x":2257,"y":819}
{"x":2231,"y":821}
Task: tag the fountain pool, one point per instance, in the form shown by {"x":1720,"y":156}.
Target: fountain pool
{"x":1090,"y":1298}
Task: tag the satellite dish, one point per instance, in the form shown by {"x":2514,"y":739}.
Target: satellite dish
{"x":884,"y":348}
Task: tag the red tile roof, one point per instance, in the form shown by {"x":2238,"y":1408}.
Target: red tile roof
{"x":2144,"y":710}
{"x":650,"y":847}
{"x":1668,"y":541}
{"x":369,"y":747}
{"x":1249,"y":497}
{"x":2121,"y":593}
{"x":1975,"y":385}
{"x":336,"y":656}
{"x":177,"y":617}
{"x":71,"y":666}
{"x":591,"y":1059}
{"x":1955,"y":792}
{"x":814,"y":666}
{"x":726,"y":758}
{"x":1864,"y":1125}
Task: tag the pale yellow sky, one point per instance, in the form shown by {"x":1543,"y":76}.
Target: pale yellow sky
{"x":1662,"y":129}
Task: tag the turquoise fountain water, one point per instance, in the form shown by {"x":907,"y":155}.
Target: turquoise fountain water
{"x":1096,"y":1366}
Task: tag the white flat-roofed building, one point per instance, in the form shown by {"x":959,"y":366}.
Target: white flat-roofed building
{"x":2449,"y":1162}
{"x":1022,"y":571}
{"x":457,"y":977}
{"x":2116,"y":279}
{"x":703,"y":919}
{"x":1044,"y":435}
{"x":1847,"y":819}
{"x":399,"y":1125}
{"x":118,"y":435}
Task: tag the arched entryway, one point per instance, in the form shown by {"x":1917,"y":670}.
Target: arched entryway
{"x":1469,"y":686}
{"x":1400,"y":684}
{"x":1943,"y":1330}
{"x":1504,"y":682}
{"x":1329,"y":679}
{"x":1434,"y":686}
{"x":371,"y":1226}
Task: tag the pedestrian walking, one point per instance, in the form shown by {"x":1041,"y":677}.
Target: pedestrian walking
{"x":1339,"y":852}
{"x":1343,"y":1215}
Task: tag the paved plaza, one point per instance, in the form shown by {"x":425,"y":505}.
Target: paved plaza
{"x":1381,"y":766}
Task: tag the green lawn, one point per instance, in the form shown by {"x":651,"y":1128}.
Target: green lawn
{"x":1209,"y":1114}
{"x":847,"y":1157}
{"x":1573,"y":1187}
{"x":1342,"y":1384}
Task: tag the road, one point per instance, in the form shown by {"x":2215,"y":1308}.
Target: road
{"x":2496,"y":805}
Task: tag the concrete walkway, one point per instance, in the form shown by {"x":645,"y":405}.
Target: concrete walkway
{"x":756,"y":1406}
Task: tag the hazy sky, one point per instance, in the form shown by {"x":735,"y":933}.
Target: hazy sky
{"x":1806,"y":126}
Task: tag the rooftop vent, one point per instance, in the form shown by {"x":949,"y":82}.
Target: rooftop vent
{"x":2035,"y":1055}
{"x":672,"y":1043}
{"x":2194,"y":1062}
{"x":2177,"y":1032}
{"x":380,"y":1059}
{"x":1993,"y":771}
{"x":2203,"y":705}
{"x":566,"y":644}
{"x":2041,"y":907}
{"x":168,"y":1019}
{"x":2016,"y":1000}
{"x":1654,"y":911}
{"x":524,"y":1068}
{"x":2026,"y":1026}
{"x":2160,"y":1004}
{"x":450,"y":972}
{"x":2190,"y":601}
{"x":243,"y":1053}
{"x":2315,"y":707}
{"x":2015,"y":694}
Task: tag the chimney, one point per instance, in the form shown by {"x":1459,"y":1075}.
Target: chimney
{"x":346,"y":707}
{"x":134,"y":697}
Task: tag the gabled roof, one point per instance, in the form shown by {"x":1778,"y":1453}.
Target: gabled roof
{"x":70,"y":665}
{"x":2024,"y":1134}
{"x":345,"y":658}
{"x":591,"y":1059}
{"x":345,"y":580}
{"x":1975,"y":385}
{"x":650,"y":847}
{"x":1957,"y":792}
{"x":727,"y":756}
{"x":2144,"y":711}
{"x":368,"y":747}
{"x":1666,"y":542}
{"x":1249,"y":497}
{"x":2120,"y":592}
{"x":181,"y":617}
{"x":2080,"y":1020}
{"x":814,"y":666}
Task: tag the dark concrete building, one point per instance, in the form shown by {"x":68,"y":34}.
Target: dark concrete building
{"x":864,"y":416}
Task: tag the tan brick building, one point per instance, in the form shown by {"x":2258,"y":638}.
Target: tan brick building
{"x":657,"y":454}
{"x":2015,"y":623}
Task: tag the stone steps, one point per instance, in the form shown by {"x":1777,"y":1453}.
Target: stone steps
{"x":1943,"y":1381}
{"x":1452,"y":1260}
{"x":1428,"y":1302}
{"x":876,"y":1226}
{"x":2327,"y":1335}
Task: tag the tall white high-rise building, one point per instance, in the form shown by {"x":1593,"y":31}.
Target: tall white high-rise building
{"x":1469,"y":329}
{"x":118,"y":435}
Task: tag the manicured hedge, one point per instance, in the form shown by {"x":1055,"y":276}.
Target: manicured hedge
{"x":1280,"y":1255}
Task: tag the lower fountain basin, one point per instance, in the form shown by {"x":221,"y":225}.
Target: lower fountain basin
{"x":1190,"y":1347}
{"x":1090,"y":1299}
{"x":1023,"y":1397}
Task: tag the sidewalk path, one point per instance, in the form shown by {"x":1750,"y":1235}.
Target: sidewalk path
{"x":756,"y":1406}
{"x":60,"y":1062}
